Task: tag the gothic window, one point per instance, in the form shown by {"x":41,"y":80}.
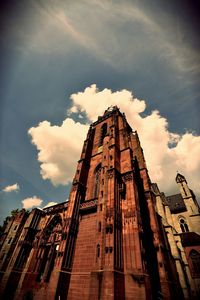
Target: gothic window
{"x":50,"y":242}
{"x":97,"y":174}
{"x":22,"y":258}
{"x":183,"y":225}
{"x":195,"y":260}
{"x":103,"y":133}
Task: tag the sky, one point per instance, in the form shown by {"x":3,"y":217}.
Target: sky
{"x":64,"y":62}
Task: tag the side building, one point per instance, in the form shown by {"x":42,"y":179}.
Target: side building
{"x":12,"y":228}
{"x":180,"y":215}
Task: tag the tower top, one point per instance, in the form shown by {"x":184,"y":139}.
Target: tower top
{"x":111,"y":108}
{"x":180,"y":178}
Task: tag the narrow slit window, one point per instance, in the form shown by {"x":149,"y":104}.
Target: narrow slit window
{"x":98,"y":250}
{"x":99,"y":227}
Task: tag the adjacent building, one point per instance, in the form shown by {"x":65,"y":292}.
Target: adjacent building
{"x":180,"y":215}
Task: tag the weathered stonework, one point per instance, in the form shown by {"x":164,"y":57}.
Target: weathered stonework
{"x":107,"y":242}
{"x":180,"y":215}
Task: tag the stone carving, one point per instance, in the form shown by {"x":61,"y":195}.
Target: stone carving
{"x":110,"y":173}
{"x":128,"y":177}
{"x":89,"y":204}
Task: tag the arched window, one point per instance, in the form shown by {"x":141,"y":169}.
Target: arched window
{"x":102,"y":134}
{"x":183,"y":225}
{"x":97,"y":174}
{"x":195,"y":260}
{"x":52,"y":236}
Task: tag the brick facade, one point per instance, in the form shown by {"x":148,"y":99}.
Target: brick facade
{"x":106,"y":242}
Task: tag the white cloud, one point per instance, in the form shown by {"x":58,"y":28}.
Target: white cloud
{"x":163,"y":161}
{"x":31,"y":202}
{"x":50,"y":204}
{"x":94,"y":102}
{"x":59,"y":149}
{"x":165,"y":152}
{"x":11,"y":188}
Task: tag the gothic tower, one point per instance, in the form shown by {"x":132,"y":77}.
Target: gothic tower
{"x":106,"y":241}
{"x":189,"y":199}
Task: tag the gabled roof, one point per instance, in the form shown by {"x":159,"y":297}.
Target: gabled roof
{"x":176,"y":203}
{"x":180,"y":178}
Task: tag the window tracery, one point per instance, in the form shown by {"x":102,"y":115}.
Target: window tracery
{"x":49,"y":245}
{"x":183,"y":225}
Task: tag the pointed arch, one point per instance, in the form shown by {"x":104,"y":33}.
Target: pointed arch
{"x":55,"y":224}
{"x":49,"y":246}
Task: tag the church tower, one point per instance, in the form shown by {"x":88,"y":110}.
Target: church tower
{"x":113,"y":250}
{"x":106,"y":241}
{"x":187,"y":196}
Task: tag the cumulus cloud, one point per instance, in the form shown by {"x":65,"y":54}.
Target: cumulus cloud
{"x":31,"y":202}
{"x":93,"y":102}
{"x":165,"y":152}
{"x":50,"y":204}
{"x":11,"y":188}
{"x":59,"y":148}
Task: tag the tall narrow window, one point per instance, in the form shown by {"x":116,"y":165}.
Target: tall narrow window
{"x":99,"y":227}
{"x":97,"y":174}
{"x":183,"y":225}
{"x":102,"y":133}
{"x":22,"y":257}
{"x":98,"y":250}
{"x":51,"y":239}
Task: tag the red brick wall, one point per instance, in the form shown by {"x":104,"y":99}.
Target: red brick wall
{"x":187,"y":252}
{"x":84,"y":259}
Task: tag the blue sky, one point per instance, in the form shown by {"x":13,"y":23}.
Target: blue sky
{"x":53,"y":49}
